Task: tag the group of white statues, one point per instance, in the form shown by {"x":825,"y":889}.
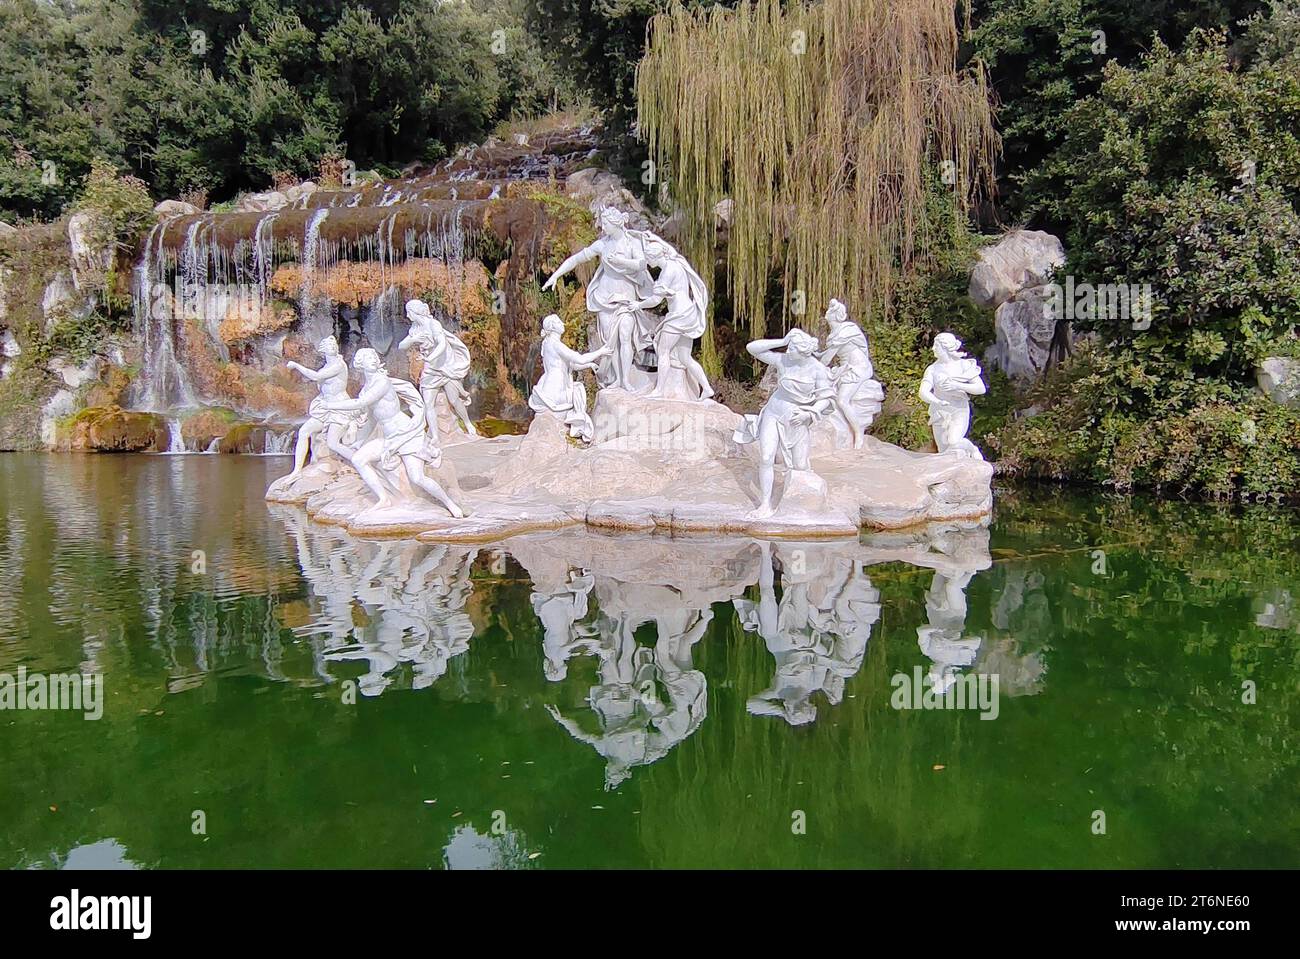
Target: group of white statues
{"x":390,"y":432}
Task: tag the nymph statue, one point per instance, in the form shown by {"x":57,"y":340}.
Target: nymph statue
{"x":621,"y":279}
{"x":446,"y":364}
{"x":406,"y":444}
{"x":947,"y":386}
{"x":340,"y":428}
{"x":687,"y":300}
{"x":804,"y":394}
{"x":558,"y":391}
{"x":858,"y":397}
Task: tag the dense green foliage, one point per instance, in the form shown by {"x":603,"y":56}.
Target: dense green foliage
{"x":1183,"y":173}
{"x":212,"y":96}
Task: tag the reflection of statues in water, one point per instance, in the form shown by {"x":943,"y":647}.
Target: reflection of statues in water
{"x":386,"y":604}
{"x":647,"y":699}
{"x":819,"y":630}
{"x":561,"y":610}
{"x":941,"y":638}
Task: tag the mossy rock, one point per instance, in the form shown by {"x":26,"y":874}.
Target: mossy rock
{"x":251,"y":437}
{"x":111,"y":429}
{"x":201,"y":427}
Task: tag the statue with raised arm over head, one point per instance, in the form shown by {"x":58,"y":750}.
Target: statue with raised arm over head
{"x":947,"y":386}
{"x":340,"y":427}
{"x":804,"y":394}
{"x":446,"y":364}
{"x":858,"y":396}
{"x":405,"y":444}
{"x":558,"y":391}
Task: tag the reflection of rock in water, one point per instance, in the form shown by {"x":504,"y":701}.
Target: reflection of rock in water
{"x":1276,"y":610}
{"x":386,"y":604}
{"x":470,"y":849}
{"x":818,"y":631}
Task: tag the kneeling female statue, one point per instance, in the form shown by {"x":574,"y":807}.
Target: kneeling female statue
{"x":558,"y":391}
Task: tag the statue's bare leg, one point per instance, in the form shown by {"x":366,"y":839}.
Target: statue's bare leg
{"x":415,"y":473}
{"x":363,"y":461}
{"x":430,"y":397}
{"x":844,"y":403}
{"x":767,"y":443}
{"x":334,"y":440}
{"x":458,"y":407}
{"x":303,"y":445}
{"x":693,"y":368}
{"x":664,"y":355}
{"x":625,"y":352}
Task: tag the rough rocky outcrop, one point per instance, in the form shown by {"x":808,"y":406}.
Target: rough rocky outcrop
{"x":600,"y":188}
{"x":115,"y":430}
{"x":1011,"y":276}
{"x":1278,"y":378}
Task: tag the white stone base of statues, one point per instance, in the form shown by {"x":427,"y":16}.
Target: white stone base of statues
{"x":653,"y":465}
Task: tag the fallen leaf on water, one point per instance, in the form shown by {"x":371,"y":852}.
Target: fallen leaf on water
{"x":455,"y":814}
{"x":533,"y":855}
{"x":430,"y":802}
{"x":54,"y":809}
{"x":937,"y":767}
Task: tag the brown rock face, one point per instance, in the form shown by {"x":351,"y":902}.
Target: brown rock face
{"x":114,"y":430}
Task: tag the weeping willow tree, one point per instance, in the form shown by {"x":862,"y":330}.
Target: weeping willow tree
{"x":824,"y":123}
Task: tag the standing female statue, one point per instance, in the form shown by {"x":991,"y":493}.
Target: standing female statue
{"x":687,"y":299}
{"x":621,"y":279}
{"x":804,"y":394}
{"x":446,"y":364}
{"x":858,"y":397}
{"x":557,"y":391}
{"x":947,"y":386}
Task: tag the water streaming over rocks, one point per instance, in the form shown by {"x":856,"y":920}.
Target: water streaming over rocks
{"x":223,"y":299}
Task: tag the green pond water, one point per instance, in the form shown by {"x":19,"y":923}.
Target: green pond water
{"x":279,"y":694}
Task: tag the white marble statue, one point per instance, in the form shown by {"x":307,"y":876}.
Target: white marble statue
{"x":858,"y":397}
{"x":804,"y":394}
{"x":559,"y":391}
{"x":947,"y":386}
{"x":446,"y":364}
{"x":622,"y":278}
{"x":407,"y":443}
{"x":340,"y":428}
{"x":679,"y":375}
{"x":941,"y":638}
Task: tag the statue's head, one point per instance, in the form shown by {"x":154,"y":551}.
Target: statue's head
{"x":613,"y":220}
{"x":836,"y":312}
{"x":947,"y":347}
{"x":418,"y":310}
{"x":553,"y":324}
{"x":328,"y":346}
{"x":367,"y":360}
{"x":657,"y":251}
{"x":802,"y":343}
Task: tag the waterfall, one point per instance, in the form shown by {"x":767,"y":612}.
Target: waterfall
{"x":175,"y":441}
{"x":162,"y":382}
{"x":214,"y":446}
{"x":309,"y":261}
{"x":279,"y":444}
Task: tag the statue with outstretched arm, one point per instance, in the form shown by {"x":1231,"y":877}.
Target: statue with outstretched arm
{"x":332,"y":382}
{"x":405,"y":443}
{"x":622,"y":277}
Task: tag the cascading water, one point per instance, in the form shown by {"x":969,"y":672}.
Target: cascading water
{"x":162,"y":382}
{"x":175,"y":440}
{"x":315,"y":326}
{"x":279,"y":444}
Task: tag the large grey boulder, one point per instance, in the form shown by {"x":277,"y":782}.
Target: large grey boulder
{"x":261,"y":202}
{"x":90,"y":239}
{"x":1023,"y":329}
{"x":599,"y":188}
{"x":169,"y":208}
{"x":1021,"y":260}
{"x":1278,"y":378}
